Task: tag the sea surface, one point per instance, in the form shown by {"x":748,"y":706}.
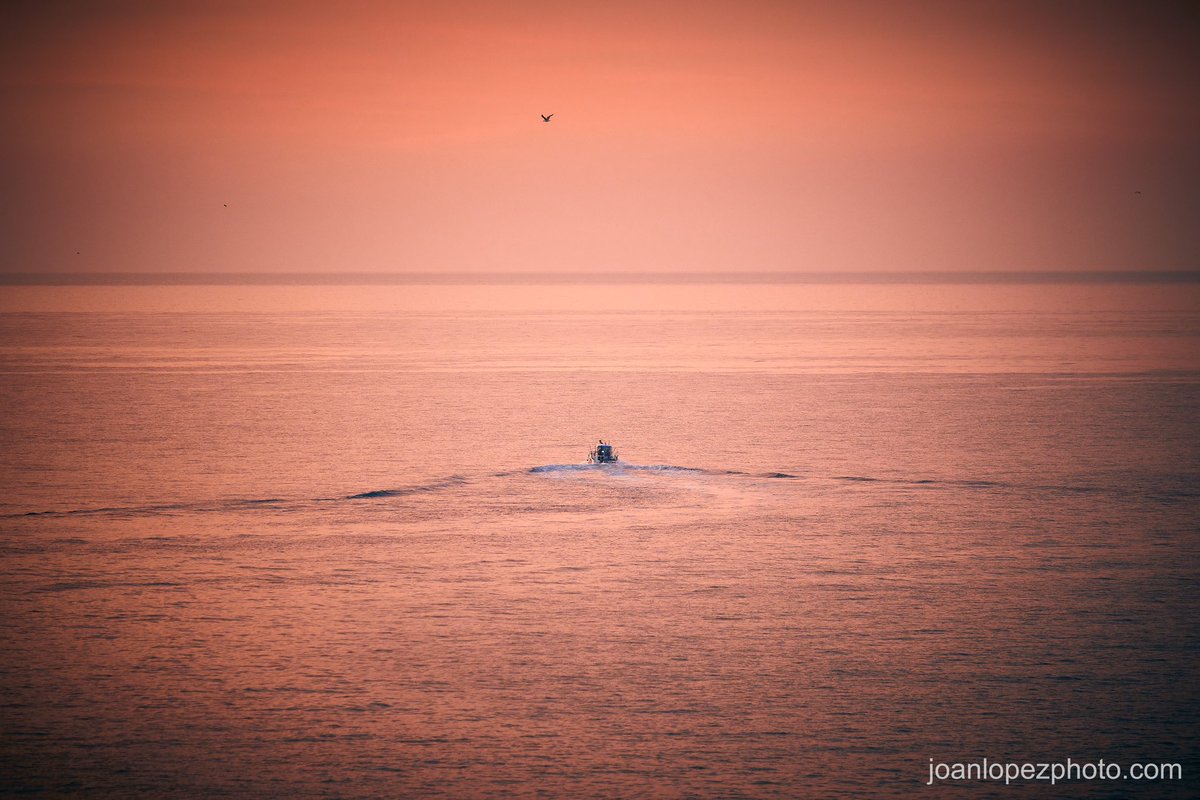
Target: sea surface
{"x":340,"y":541}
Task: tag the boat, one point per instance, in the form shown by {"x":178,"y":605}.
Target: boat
{"x":602,"y":453}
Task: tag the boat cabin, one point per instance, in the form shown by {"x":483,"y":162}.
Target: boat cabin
{"x":602,"y":453}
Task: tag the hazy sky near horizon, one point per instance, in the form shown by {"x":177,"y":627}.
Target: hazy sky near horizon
{"x":762,"y":136}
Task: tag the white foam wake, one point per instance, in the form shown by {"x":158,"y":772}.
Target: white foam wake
{"x":613,"y":467}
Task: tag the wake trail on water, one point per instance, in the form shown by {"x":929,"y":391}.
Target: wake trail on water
{"x":404,"y":491}
{"x":156,"y":509}
{"x":617,"y":470}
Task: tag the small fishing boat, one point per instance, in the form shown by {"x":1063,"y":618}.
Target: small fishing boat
{"x":602,"y":453}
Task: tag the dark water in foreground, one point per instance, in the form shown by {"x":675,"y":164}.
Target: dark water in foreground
{"x":349,"y":553}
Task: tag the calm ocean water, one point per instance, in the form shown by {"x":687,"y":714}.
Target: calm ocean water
{"x":338,"y":541}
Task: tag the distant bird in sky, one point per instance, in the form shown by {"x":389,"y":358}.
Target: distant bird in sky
{"x":546,"y":118}
{"x":226,"y":205}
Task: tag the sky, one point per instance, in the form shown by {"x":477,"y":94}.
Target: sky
{"x":687,"y":136}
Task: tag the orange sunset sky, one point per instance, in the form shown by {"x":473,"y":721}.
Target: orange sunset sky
{"x":687,"y":136}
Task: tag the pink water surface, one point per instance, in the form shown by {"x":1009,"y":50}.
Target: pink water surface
{"x":338,"y":542}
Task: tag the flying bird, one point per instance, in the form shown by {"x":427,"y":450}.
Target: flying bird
{"x":546,"y":118}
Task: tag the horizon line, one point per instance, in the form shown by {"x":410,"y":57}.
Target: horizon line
{"x":926,"y":277}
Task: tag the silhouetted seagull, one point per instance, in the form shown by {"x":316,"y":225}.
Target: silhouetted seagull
{"x":546,"y":118}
